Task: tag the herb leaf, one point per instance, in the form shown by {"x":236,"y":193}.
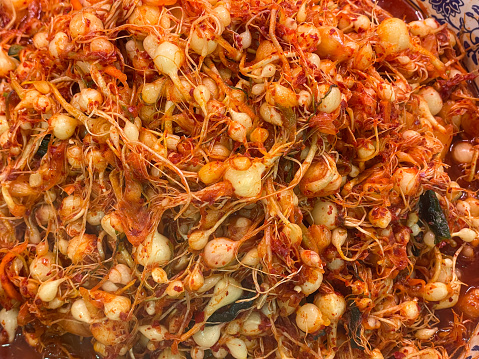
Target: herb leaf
{"x":355,"y":317}
{"x":431,"y":212}
{"x":233,"y":310}
{"x":14,"y":50}
{"x":43,"y":149}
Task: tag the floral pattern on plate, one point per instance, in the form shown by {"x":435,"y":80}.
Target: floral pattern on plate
{"x":448,"y":8}
{"x":463,"y":17}
{"x":473,"y":346}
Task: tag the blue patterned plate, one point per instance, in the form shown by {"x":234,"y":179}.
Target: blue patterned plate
{"x":463,"y":17}
{"x":472,"y":351}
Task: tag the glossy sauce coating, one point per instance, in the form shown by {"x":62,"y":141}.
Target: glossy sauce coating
{"x":19,"y":349}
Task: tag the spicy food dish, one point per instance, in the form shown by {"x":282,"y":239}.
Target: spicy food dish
{"x":236,"y":179}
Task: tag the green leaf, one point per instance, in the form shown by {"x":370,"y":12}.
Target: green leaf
{"x":431,"y":212}
{"x":233,"y":310}
{"x":355,"y":317}
{"x":43,"y":148}
{"x":14,"y":50}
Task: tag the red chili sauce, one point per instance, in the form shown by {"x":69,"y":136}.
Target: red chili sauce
{"x":55,"y":348}
{"x":18,"y":349}
{"x":402,"y":9}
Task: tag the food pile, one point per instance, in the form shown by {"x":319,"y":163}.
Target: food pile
{"x":235,"y":179}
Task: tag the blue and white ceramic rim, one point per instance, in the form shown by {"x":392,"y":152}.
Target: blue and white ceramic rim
{"x":472,"y":350}
{"x":463,"y":17}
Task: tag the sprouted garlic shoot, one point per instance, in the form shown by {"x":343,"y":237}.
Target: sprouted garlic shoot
{"x":235,"y":179}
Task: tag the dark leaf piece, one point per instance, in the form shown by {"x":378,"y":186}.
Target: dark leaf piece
{"x":233,"y":310}
{"x":14,"y":51}
{"x":43,"y":149}
{"x":355,"y":317}
{"x":431,"y":212}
